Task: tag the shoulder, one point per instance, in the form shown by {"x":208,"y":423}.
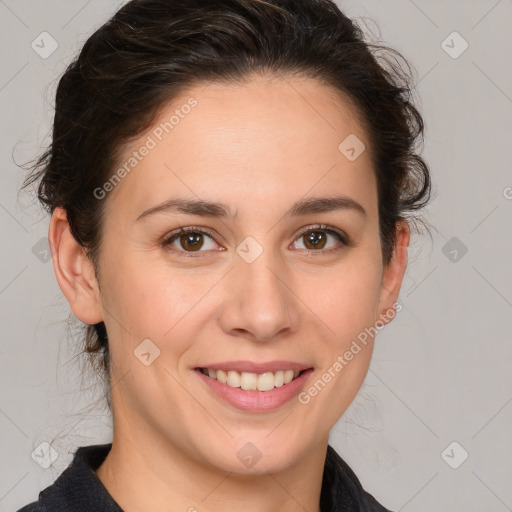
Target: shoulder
{"x":78,"y":488}
{"x":32,"y":507}
{"x":341,"y":489}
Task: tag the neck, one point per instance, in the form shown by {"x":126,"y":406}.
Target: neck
{"x":140,"y":475}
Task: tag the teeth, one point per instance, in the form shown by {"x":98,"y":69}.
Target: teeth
{"x":252,"y":381}
{"x":233,"y":379}
{"x":279,"y":379}
{"x":288,"y":376}
{"x":222,"y":376}
{"x":266,"y":381}
{"x":249,"y":381}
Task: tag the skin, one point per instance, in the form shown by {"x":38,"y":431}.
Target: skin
{"x":258,"y":147}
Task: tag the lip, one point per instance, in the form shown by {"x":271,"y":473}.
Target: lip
{"x":252,"y":367}
{"x":255,"y":401}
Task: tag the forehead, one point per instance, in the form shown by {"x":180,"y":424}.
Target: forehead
{"x":261,"y":139}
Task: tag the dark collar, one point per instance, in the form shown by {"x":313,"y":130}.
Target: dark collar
{"x":341,"y":489}
{"x":78,"y":488}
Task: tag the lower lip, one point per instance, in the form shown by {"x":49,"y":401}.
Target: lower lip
{"x":256,"y":401}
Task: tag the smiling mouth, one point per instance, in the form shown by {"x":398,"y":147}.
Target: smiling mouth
{"x":252,"y":381}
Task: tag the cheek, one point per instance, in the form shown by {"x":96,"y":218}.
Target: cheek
{"x":150,"y":299}
{"x":346,"y":299}
{"x":348,"y":308}
{"x":153,"y":300}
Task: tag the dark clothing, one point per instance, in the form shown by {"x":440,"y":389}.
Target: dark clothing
{"x":78,"y":488}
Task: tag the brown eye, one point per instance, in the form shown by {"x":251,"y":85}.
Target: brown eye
{"x":316,"y":239}
{"x":189,"y":240}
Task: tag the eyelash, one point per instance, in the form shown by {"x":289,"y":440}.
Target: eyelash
{"x":340,"y":236}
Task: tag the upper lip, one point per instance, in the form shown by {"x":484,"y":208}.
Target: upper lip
{"x":252,"y":367}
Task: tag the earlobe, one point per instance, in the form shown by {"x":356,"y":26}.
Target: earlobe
{"x":74,"y":270}
{"x":394,"y":273}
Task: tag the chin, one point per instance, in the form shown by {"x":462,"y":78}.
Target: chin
{"x":256,"y":454}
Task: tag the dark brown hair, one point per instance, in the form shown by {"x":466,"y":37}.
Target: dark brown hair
{"x":151,"y":50}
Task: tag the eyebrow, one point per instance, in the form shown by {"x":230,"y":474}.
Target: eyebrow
{"x":204,"y":208}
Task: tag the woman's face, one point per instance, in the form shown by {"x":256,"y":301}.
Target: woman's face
{"x":274,"y":280}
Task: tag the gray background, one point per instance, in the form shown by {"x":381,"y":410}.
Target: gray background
{"x":441,"y":370}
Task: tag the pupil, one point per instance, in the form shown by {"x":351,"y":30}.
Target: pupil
{"x":315,"y":237}
{"x":191,"y":241}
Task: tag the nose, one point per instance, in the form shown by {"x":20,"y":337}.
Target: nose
{"x":258,"y":302}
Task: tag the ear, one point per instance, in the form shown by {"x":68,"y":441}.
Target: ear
{"x":74,"y":270}
{"x":393,"y":274}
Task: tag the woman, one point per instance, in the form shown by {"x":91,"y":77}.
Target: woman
{"x":231,"y":186}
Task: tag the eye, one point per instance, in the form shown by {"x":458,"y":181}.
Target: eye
{"x":189,"y":239}
{"x":316,"y":239}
